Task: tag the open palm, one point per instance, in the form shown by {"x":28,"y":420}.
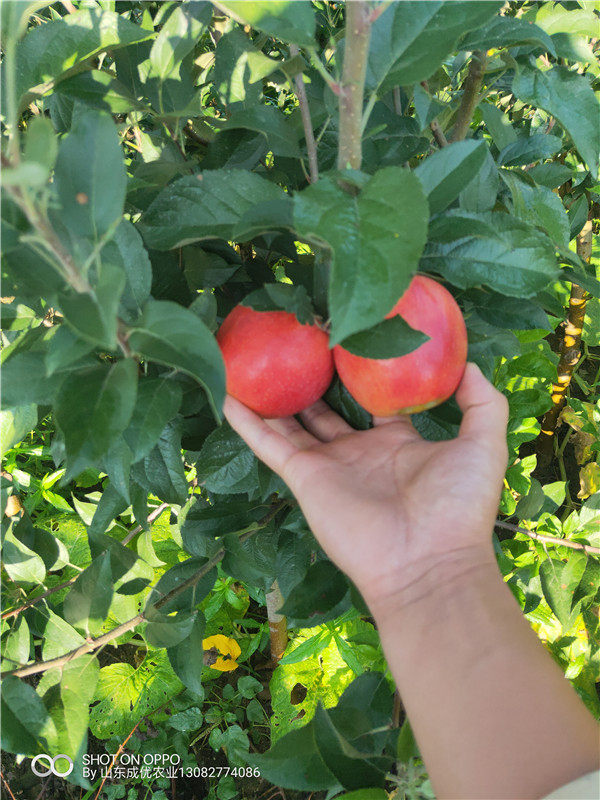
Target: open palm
{"x":384,"y":503}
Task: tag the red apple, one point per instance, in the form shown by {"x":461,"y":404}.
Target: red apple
{"x":423,"y":378}
{"x":274,"y":365}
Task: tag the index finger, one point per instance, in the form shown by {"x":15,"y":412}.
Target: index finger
{"x":267,"y":444}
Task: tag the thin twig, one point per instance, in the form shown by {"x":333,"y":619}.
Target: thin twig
{"x":117,"y":754}
{"x":151,"y":517}
{"x":8,"y":789}
{"x":438,"y":133}
{"x":311,"y":146}
{"x":93,"y":644}
{"x":470,"y":95}
{"x":13,"y":612}
{"x":434,"y":125}
{"x":540,"y":537}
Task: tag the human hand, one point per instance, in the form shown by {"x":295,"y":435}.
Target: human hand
{"x":385,"y":504}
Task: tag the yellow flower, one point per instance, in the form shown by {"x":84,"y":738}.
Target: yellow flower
{"x":228,"y":648}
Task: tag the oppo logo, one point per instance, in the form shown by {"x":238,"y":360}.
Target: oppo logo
{"x":52,"y":768}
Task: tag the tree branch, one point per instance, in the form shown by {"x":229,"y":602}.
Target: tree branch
{"x":470,"y":96}
{"x":94,"y":644}
{"x":358,"y":33}
{"x":570,"y":350}
{"x":309,"y":135}
{"x":278,"y":633}
{"x":540,"y":537}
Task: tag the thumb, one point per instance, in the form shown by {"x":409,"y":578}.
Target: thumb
{"x":485,"y":409}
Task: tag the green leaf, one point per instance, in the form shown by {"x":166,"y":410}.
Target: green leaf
{"x":186,"y":658}
{"x":551,"y":174}
{"x":67,"y":693}
{"x":205,"y":206}
{"x":576,"y":48}
{"x":480,"y":194}
{"x":92,"y":409}
{"x":365,"y":794}
{"x":568,"y":97}
{"x":126,"y":695}
{"x":280,"y":133}
{"x":161,"y":472}
{"x":15,"y":423}
{"x":248,"y":686}
{"x":173,"y":578}
{"x":527,"y":149}
{"x":127,"y":251}
{"x":93,"y":316}
{"x":290,"y":20}
{"x":389,"y":339}
{"x":376,"y":239}
{"x":26,"y":724}
{"x":90,"y":177}
{"x":446,"y":173}
{"x":86,"y":605}
{"x":308,"y":649}
{"x":295,"y":763}
{"x":501,"y":252}
{"x":100,"y":90}
{"x":322,"y":588}
{"x":16,"y":646}
{"x":157,"y":402}
{"x":507,"y":32}
{"x":55,"y":48}
{"x":538,"y":205}
{"x":554,"y":18}
{"x":174,"y":336}
{"x":178,"y":37}
{"x":412,"y":39}
{"x":24,"y":379}
{"x":407,"y":747}
{"x":224,"y":460}
{"x":188,"y":720}
{"x":59,"y":637}
{"x":499,"y":125}
{"x":238,"y":66}
{"x":509,"y":312}
{"x":21,"y":563}
{"x":168,"y":631}
{"x":282,"y":297}
{"x":41,"y":144}
{"x":559,"y":581}
{"x":352,"y":769}
{"x":65,"y":348}
{"x":201,"y":520}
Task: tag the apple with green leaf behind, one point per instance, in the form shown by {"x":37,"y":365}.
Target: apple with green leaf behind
{"x":422,"y":378}
{"x":274,"y":364}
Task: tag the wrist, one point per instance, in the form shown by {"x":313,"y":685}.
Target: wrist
{"x":432,"y":582}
